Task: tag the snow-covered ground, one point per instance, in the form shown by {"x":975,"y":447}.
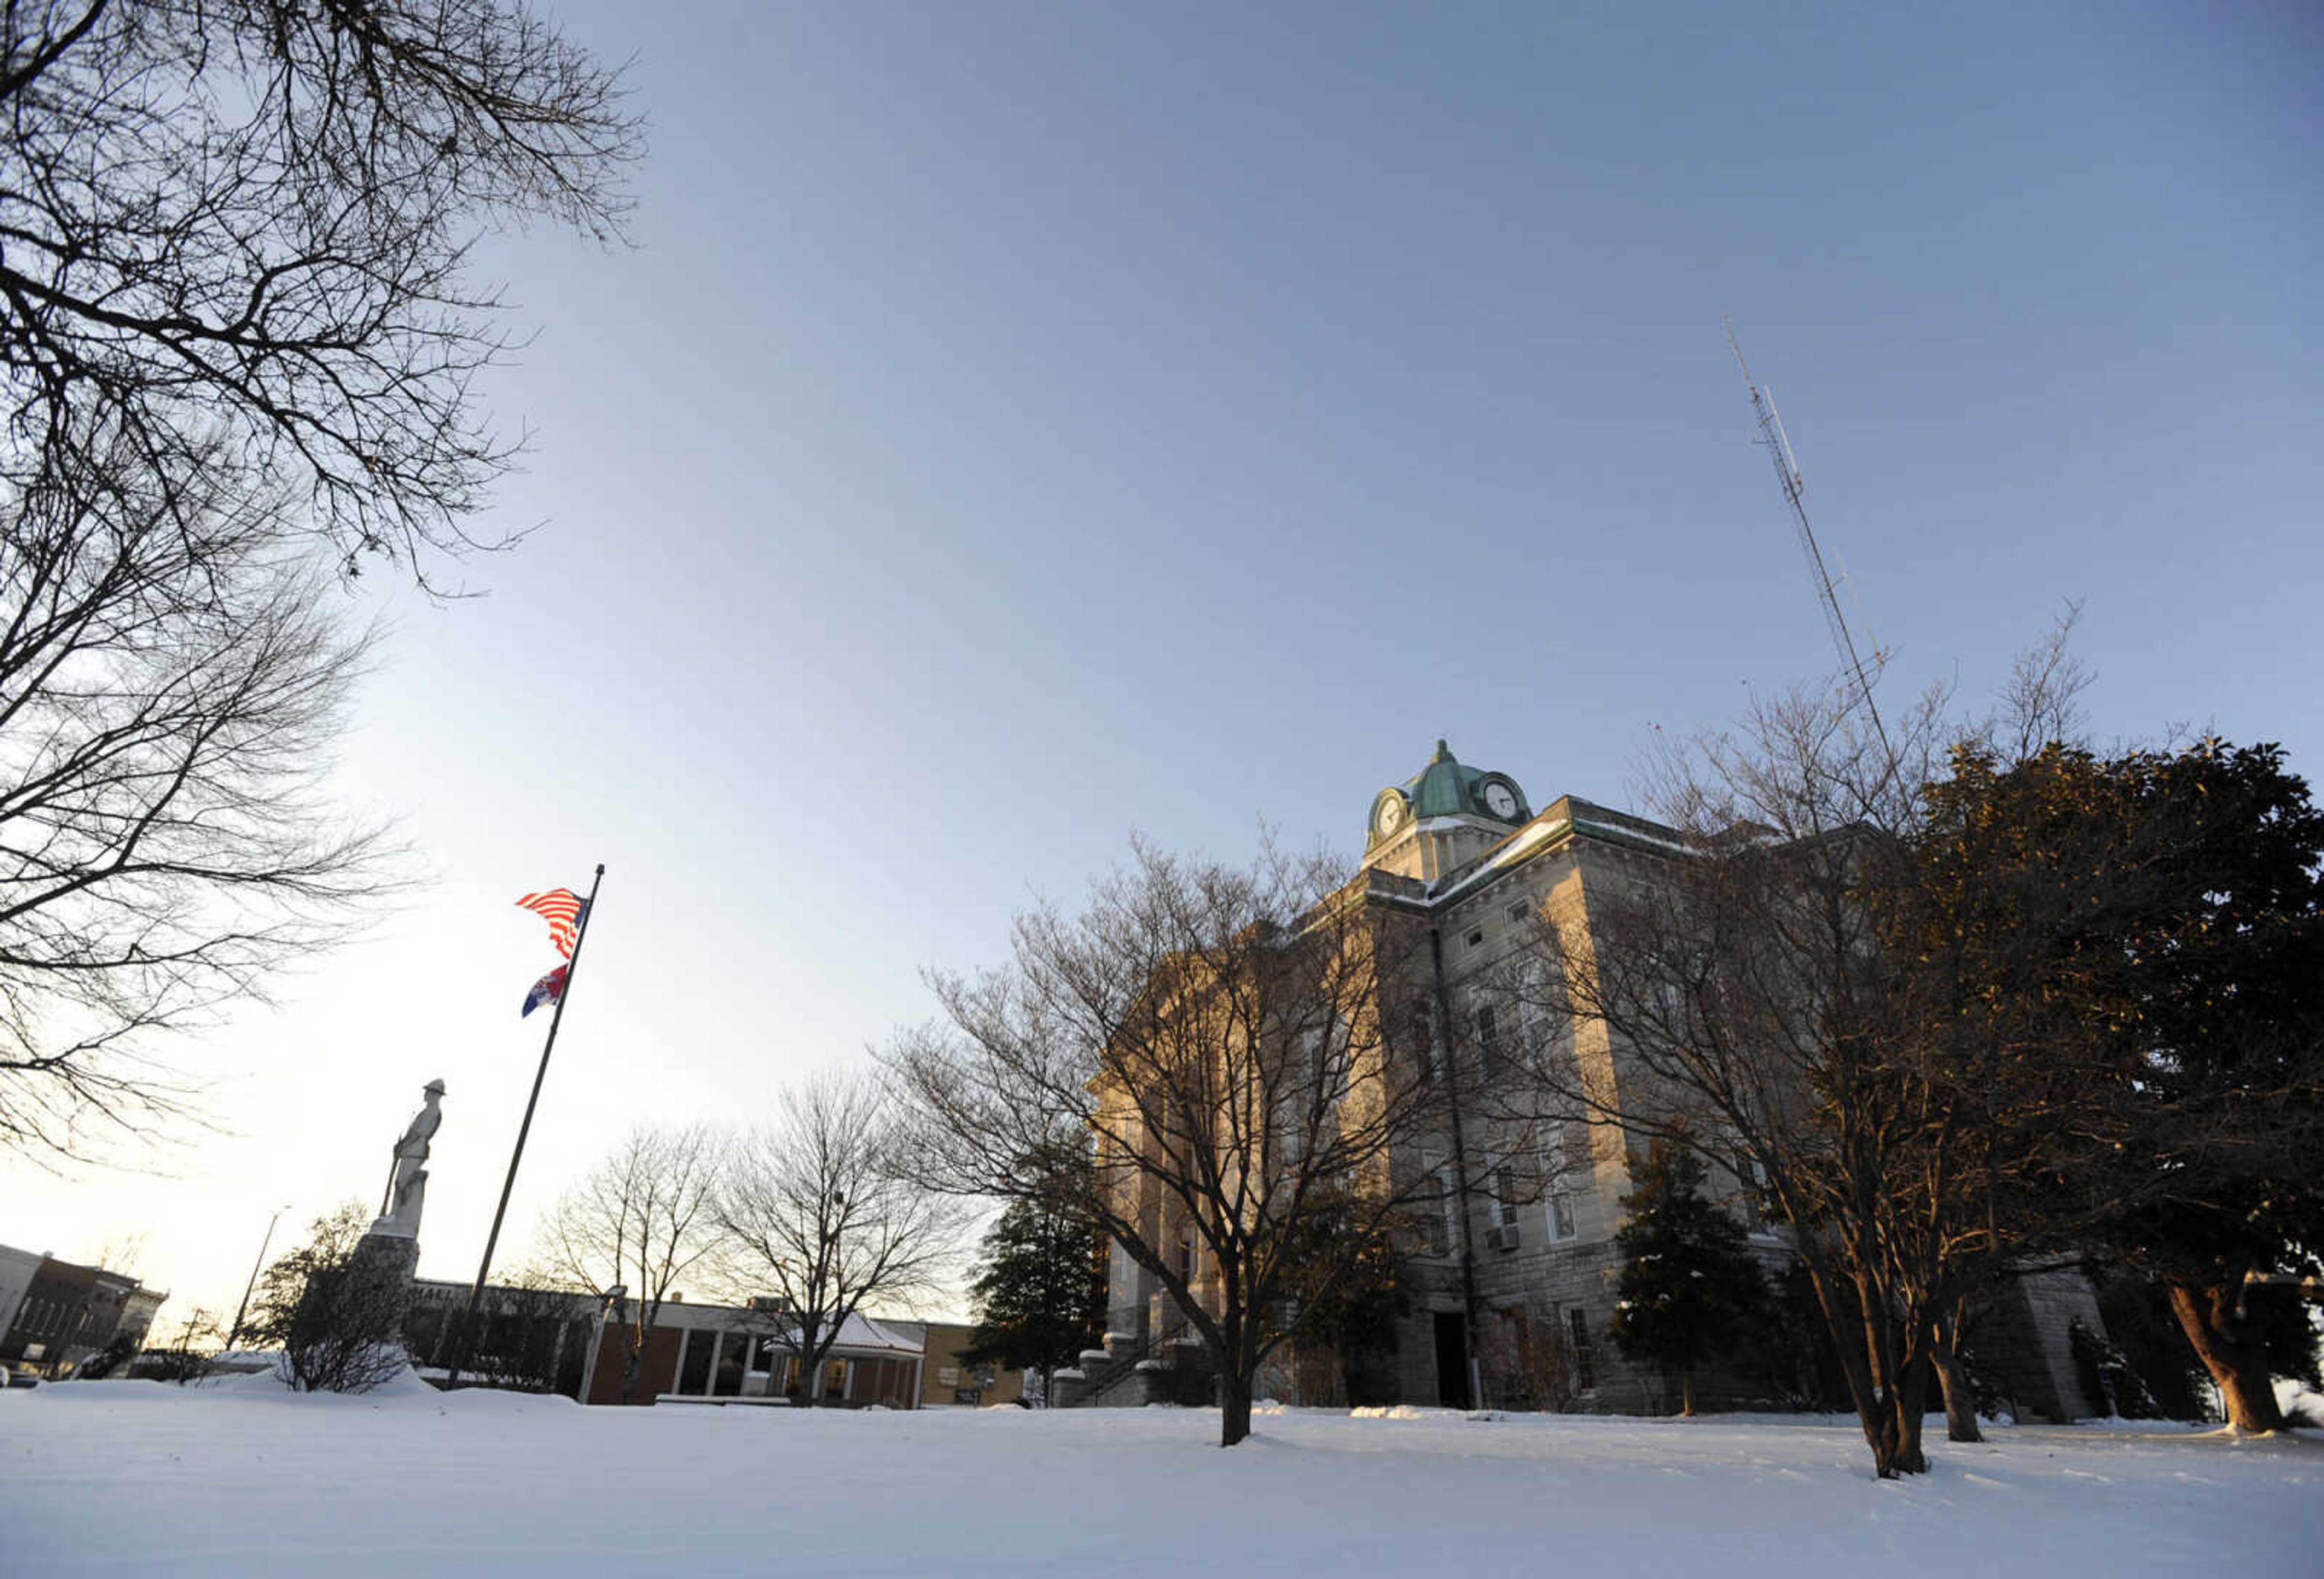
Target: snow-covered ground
{"x":134,"y":1478}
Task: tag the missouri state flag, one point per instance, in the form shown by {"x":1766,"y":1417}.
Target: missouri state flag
{"x":547,"y":990}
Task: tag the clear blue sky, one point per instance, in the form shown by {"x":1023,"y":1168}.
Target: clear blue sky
{"x":1021,"y":424}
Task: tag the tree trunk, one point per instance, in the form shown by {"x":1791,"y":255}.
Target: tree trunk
{"x":1895,"y":1438}
{"x":1960,"y":1400}
{"x":1911,"y":1407}
{"x":1894,"y":1427}
{"x":1686,"y":1395}
{"x":1235,"y":1408}
{"x":1857,"y":1343}
{"x":2237,"y":1362}
{"x":1960,"y":1403}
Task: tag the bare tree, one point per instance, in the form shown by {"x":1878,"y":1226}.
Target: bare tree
{"x":237,"y":232}
{"x":190,"y":1356}
{"x":529,"y":1335}
{"x":632,"y":1227}
{"x":171,"y":691}
{"x":1781,"y":1004}
{"x":238,"y":350}
{"x":815,"y":1208}
{"x":1241,"y":1046}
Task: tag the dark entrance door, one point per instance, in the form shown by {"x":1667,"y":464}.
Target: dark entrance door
{"x":1451,"y":1360}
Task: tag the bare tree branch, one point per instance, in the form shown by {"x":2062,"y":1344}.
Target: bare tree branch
{"x":638,"y":1221}
{"x":817,"y":1209}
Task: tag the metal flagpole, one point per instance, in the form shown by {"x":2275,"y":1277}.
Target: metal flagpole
{"x":476,"y":1294}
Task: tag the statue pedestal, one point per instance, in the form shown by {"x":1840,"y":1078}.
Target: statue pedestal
{"x":387,"y":1253}
{"x":383,"y":1266}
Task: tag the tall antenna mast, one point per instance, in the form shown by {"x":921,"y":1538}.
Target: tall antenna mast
{"x":1778,"y":445}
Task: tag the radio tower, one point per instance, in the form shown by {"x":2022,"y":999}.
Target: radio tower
{"x":1787,"y":476}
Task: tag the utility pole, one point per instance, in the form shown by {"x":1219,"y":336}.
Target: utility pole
{"x":235,"y":1332}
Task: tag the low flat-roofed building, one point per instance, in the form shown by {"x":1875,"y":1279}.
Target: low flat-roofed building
{"x":694,"y":1353}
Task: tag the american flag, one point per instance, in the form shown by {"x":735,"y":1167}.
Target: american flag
{"x":563,"y":909}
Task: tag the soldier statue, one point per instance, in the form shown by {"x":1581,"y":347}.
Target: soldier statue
{"x":407,"y":1183}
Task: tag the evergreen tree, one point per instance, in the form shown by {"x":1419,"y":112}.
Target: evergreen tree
{"x":2159,"y":961}
{"x":1689,"y":1286}
{"x":334,"y":1309}
{"x":1338,"y":1280}
{"x":1040,"y":1299}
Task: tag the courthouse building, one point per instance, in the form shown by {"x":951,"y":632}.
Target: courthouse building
{"x":1507,"y":1299}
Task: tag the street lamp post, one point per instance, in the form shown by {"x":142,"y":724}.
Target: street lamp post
{"x":607,"y":1302}
{"x":234,"y":1333}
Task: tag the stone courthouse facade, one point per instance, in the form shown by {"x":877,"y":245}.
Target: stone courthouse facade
{"x":1504,"y":1293}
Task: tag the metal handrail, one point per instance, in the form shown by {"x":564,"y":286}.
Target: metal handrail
{"x":1118,"y":1367}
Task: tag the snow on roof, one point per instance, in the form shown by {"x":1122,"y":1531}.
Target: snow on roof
{"x":1518,"y":845}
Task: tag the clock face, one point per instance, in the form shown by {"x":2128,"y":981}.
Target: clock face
{"x":1501,"y":799}
{"x":1391,"y":815}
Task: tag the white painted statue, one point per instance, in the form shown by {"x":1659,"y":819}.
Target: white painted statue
{"x":407,"y":1184}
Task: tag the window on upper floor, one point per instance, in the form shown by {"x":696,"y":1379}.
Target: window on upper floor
{"x":1506,"y":1196}
{"x":1750,"y":1190}
{"x":1440,"y":1221}
{"x":1430,"y":1051}
{"x":1557,"y":1187}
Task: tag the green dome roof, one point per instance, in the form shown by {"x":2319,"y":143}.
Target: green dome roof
{"x":1448,"y":787}
{"x":1443,"y":786}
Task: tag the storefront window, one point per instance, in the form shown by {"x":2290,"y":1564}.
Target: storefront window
{"x":694,"y":1369}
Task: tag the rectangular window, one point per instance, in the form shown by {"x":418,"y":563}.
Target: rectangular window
{"x":1439,"y":1226}
{"x":694,"y":1365}
{"x":1475,"y":938}
{"x":1518,"y":914}
{"x":1488,"y":1031}
{"x":727,"y":1365}
{"x":1186,"y":1259}
{"x":1505,"y":1197}
{"x":1585,"y":1362}
{"x":834,"y":1378}
{"x":1532,"y":1019}
{"x":1557,"y":1201}
{"x":1544,"y":1011}
{"x":1747,"y":1199}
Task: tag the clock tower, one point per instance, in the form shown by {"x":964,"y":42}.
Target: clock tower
{"x":1442,"y":819}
